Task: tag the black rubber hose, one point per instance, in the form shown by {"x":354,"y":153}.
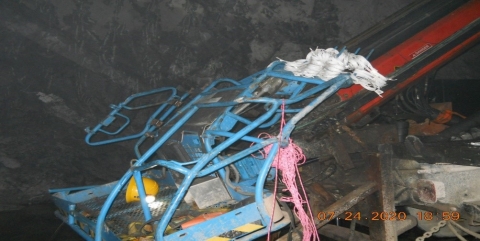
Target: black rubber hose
{"x":229,"y":183}
{"x":292,"y":222}
{"x":411,"y":106}
{"x":402,"y":130}
{"x":464,"y":125}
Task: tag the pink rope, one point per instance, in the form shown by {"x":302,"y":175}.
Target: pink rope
{"x":287,"y":161}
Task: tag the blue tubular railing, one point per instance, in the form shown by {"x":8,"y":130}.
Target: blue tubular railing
{"x":231,"y":159}
{"x":238,"y":118}
{"x":199,"y":169}
{"x":274,"y":120}
{"x":173,"y":165}
{"x":116,"y":190}
{"x":143,"y":196}
{"x":210,"y":87}
{"x":231,"y":134}
{"x":310,"y":92}
{"x":262,"y":176}
{"x":273,"y":104}
{"x":298,"y":90}
{"x":146,"y":93}
{"x":337,"y":83}
{"x":124,"y":105}
{"x":205,"y":159}
{"x":217,"y":124}
{"x":261,"y":143}
{"x":152,"y":128}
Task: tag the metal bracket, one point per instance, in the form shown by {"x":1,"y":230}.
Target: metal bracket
{"x":176,"y":102}
{"x":157,"y":123}
{"x":150,"y":134}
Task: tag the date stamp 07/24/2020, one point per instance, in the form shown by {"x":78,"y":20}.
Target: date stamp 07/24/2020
{"x":389,"y":216}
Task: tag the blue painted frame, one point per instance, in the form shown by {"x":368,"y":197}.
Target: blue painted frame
{"x":99,"y":128}
{"x":209,"y":162}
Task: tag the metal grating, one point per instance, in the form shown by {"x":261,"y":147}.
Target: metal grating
{"x":121,"y":214}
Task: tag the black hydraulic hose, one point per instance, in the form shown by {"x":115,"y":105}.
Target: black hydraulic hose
{"x":463,"y":125}
{"x":229,"y":183}
{"x":422,"y":97}
{"x":236,"y":172}
{"x":292,"y":221}
{"x":408,"y":105}
{"x":402,"y":130}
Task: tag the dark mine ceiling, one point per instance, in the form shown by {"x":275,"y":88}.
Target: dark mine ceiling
{"x":63,"y":62}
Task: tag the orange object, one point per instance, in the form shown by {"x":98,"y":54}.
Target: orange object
{"x":443,"y":117}
{"x":426,"y":128}
{"x":200,"y":219}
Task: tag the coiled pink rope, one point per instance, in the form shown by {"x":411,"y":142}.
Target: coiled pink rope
{"x":287,"y":161}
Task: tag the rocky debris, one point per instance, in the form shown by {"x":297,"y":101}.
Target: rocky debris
{"x":9,"y":162}
{"x":58,"y":108}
